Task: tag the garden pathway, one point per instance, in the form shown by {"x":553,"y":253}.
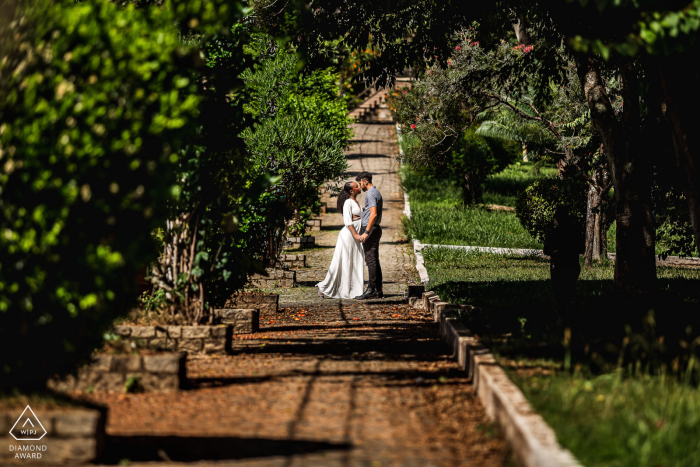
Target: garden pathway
{"x":325,"y":383}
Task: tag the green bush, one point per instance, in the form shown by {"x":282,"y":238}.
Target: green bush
{"x":94,"y":109}
{"x":535,"y":206}
{"x":301,"y":132}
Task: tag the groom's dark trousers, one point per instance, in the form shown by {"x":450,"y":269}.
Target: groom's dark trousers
{"x":371,"y":247}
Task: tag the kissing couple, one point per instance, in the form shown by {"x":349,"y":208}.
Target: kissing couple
{"x":359,"y":238}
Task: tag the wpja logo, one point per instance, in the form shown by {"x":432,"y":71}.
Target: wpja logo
{"x":28,"y":428}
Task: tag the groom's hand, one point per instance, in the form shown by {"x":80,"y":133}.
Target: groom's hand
{"x":363,"y":237}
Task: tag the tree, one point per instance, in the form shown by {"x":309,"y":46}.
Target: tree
{"x":620,"y":39}
{"x":301,"y":134}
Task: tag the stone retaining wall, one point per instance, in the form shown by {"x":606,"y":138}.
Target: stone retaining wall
{"x":293,"y":261}
{"x":156,"y":373}
{"x":265,"y":303}
{"x":275,"y":278}
{"x":203,"y":339}
{"x":73,"y":436}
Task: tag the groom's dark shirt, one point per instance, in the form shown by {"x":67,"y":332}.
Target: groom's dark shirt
{"x":373,"y":199}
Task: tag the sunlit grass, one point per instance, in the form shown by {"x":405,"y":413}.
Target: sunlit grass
{"x":618,"y":422}
{"x":504,"y":187}
{"x":438,"y":215}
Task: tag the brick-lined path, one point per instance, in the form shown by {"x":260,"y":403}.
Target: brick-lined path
{"x":327,"y":383}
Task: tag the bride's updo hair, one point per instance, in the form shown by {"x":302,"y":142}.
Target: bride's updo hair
{"x":344,"y":196}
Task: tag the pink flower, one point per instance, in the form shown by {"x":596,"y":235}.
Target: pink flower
{"x":528,"y":49}
{"x":474,"y":44}
{"x":413,"y":127}
{"x":404,"y":91}
{"x":457,"y":48}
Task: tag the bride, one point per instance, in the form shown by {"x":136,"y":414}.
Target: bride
{"x":345,"y":277}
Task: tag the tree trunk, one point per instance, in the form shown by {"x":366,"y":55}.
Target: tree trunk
{"x":521,"y":31}
{"x":470,"y":189}
{"x":680,"y":108}
{"x":635,"y":264}
{"x":596,"y":239}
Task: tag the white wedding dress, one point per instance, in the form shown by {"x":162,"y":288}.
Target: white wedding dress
{"x":345,"y":277}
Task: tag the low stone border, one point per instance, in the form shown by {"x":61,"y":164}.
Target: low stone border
{"x":300,"y":242}
{"x":198,"y":339}
{"x":276,"y":278}
{"x":265,"y":303}
{"x":241,"y":321}
{"x":293,"y":261}
{"x":313,"y":225}
{"x":73,"y":436}
{"x":534,"y":443}
{"x":156,"y":373}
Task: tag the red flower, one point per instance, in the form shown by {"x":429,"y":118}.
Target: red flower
{"x":528,"y":49}
{"x":413,"y":127}
{"x":474,"y":44}
{"x":457,"y":48}
{"x":404,"y":91}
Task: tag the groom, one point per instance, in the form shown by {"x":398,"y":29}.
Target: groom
{"x":370,"y":234}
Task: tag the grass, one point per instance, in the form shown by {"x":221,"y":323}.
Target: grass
{"x":438,"y":215}
{"x":647,"y":415}
{"x":617,"y":422}
{"x":503,"y":188}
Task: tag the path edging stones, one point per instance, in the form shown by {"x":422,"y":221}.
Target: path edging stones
{"x":74,"y":436}
{"x":534,"y":443}
{"x":156,"y":373}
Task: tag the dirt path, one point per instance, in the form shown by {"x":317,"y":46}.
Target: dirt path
{"x":326,"y":383}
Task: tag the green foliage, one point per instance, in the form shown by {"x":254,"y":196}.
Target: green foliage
{"x":93,"y":116}
{"x":536,"y":205}
{"x":301,"y":154}
{"x":315,"y":98}
{"x":473,"y":157}
{"x":133,"y":385}
{"x":301,"y":132}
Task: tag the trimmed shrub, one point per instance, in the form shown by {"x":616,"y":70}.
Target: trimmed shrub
{"x":535,"y":206}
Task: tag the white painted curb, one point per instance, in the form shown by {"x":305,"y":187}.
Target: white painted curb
{"x":670,"y":260}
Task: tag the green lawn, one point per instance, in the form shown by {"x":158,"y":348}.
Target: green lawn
{"x":438,"y":216}
{"x":596,"y":390}
{"x":503,"y":188}
{"x":620,"y":422}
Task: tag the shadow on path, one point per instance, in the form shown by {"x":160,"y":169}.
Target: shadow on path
{"x":193,"y":448}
